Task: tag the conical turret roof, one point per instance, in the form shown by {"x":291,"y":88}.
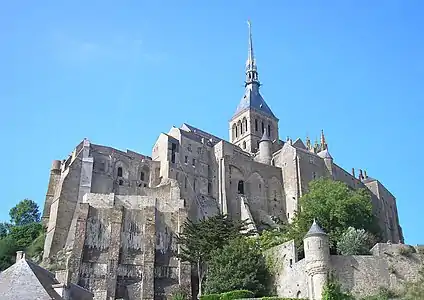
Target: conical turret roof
{"x":315,"y":230}
{"x":265,"y":137}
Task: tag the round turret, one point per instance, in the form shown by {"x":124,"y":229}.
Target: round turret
{"x":56,"y":165}
{"x":317,"y":257}
{"x":265,"y":149}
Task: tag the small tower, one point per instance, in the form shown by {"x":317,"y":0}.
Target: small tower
{"x":323,"y":142}
{"x":328,"y":159}
{"x":265,"y":149}
{"x":317,"y":257}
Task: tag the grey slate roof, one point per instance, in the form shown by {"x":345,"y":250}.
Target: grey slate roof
{"x":315,"y":230}
{"x":200,"y":134}
{"x":25,"y":280}
{"x":252,"y":99}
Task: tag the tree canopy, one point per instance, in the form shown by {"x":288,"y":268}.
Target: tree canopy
{"x":336,"y":207}
{"x":25,"y":212}
{"x":239,"y":265}
{"x":24,"y":233}
{"x":198,"y":240}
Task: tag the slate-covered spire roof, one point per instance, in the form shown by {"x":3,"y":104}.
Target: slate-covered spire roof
{"x":315,"y":230}
{"x":265,"y":137}
{"x":252,"y":99}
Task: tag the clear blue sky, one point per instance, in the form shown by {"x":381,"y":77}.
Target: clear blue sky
{"x":121,"y":74}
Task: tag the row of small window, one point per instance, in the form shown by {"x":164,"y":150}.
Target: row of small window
{"x":241,"y":127}
{"x":120,"y":174}
{"x":193,"y":161}
{"x":199,"y":149}
{"x":186,"y":183}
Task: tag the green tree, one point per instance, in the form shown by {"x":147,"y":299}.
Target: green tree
{"x":239,"y":265}
{"x":8,"y":250}
{"x":198,"y":240}
{"x":24,"y":235}
{"x":272,"y":237}
{"x":354,"y":242}
{"x":25,"y":212}
{"x":4,"y":229}
{"x":336,"y":207}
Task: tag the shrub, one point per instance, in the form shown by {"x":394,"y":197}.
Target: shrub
{"x":354,"y":242}
{"x":237,"y":295}
{"x":211,"y":297}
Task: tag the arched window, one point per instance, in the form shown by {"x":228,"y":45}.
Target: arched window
{"x":234,"y":131}
{"x":269,"y":130}
{"x":256,"y":125}
{"x":240,"y":127}
{"x":245,"y":124}
{"x":263,"y":127}
{"x":120,"y":172}
{"x":142,"y":176}
{"x":240,"y":187}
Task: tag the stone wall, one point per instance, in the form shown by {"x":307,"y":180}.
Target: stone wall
{"x":125,"y":245}
{"x":363,"y":275}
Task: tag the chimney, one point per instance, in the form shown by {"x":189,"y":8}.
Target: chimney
{"x":365,"y":174}
{"x":353,"y":172}
{"x":361,"y":176}
{"x":20,"y":255}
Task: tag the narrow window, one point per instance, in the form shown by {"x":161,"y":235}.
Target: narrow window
{"x":185,"y":159}
{"x":291,"y":262}
{"x":269,"y":130}
{"x":240,"y":187}
{"x":194,"y":162}
{"x":256,"y":125}
{"x":209,"y":188}
{"x":142,"y":176}
{"x":194,"y":185}
{"x":244,"y":144}
{"x":288,"y":215}
{"x":263,"y":127}
{"x":120,"y":172}
{"x":260,"y":186}
{"x":245,"y":124}
{"x":173,"y":150}
{"x":185,"y":182}
{"x":314,"y":175}
{"x":121,"y":182}
{"x":236,"y":131}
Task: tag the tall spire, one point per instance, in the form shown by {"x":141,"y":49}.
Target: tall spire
{"x":323,"y":143}
{"x":251,"y":69}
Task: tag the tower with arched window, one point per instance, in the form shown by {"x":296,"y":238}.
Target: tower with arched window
{"x":253,"y":116}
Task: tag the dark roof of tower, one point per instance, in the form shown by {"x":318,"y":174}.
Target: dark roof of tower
{"x":265,"y":137}
{"x":252,"y":99}
{"x":315,"y":230}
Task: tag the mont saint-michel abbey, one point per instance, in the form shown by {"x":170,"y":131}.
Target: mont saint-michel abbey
{"x":114,"y":214}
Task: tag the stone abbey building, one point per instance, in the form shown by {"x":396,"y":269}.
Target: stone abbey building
{"x":113,"y":214}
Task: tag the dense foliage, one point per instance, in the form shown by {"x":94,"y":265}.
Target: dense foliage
{"x":336,"y":207}
{"x":25,"y":232}
{"x":198,"y":240}
{"x":354,"y":242}
{"x":239,"y":265}
{"x":333,"y":291}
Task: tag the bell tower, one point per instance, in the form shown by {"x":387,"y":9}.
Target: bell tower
{"x":253,"y":117}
